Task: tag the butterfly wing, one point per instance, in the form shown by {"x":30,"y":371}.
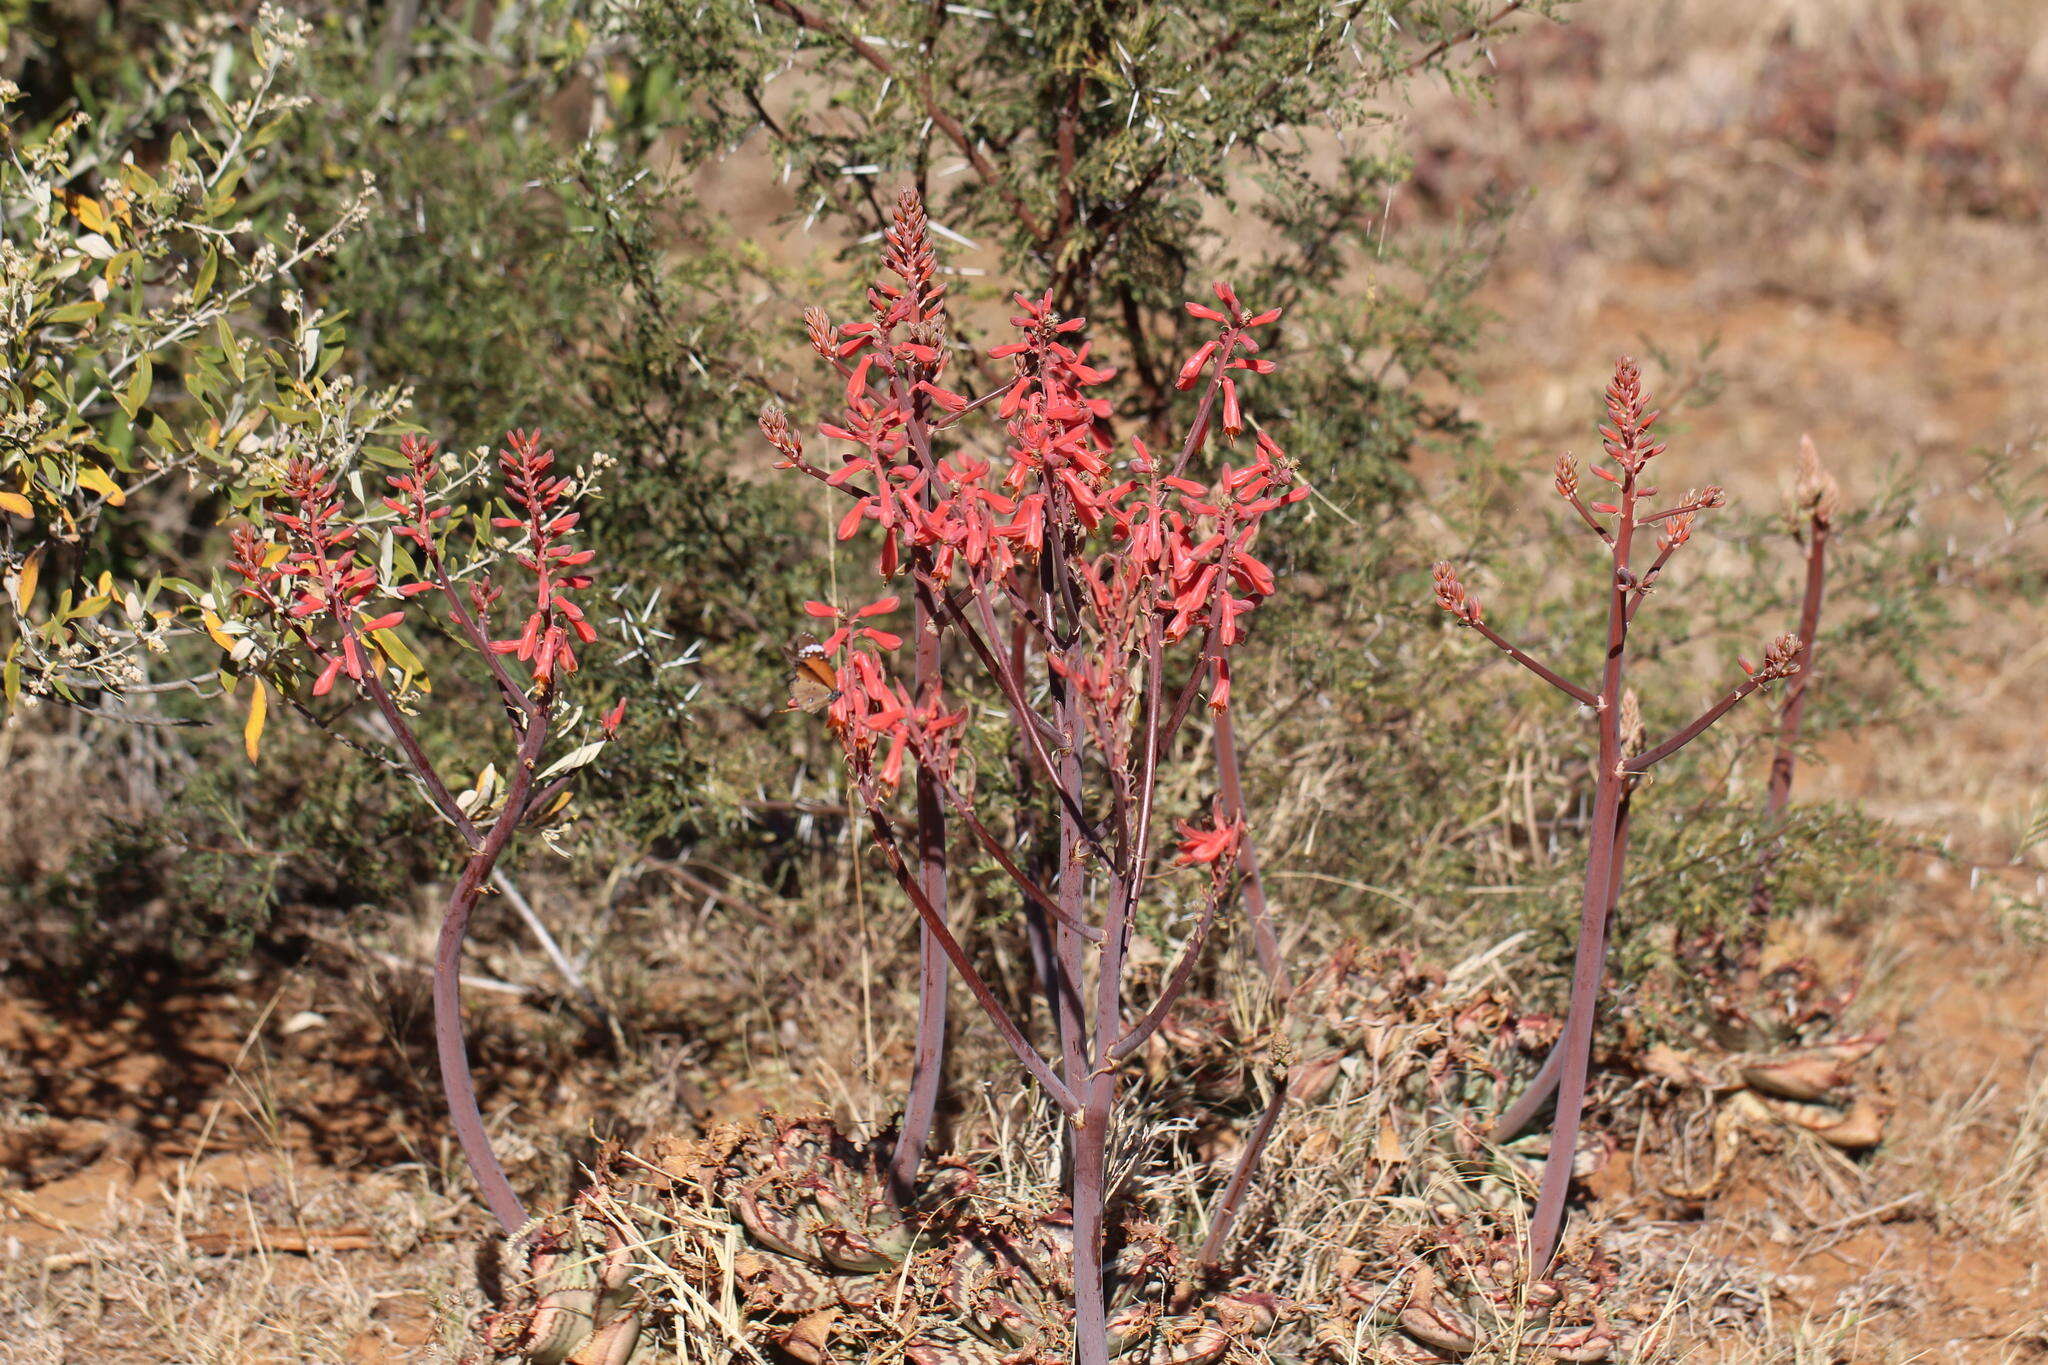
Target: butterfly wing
{"x":813,"y":684}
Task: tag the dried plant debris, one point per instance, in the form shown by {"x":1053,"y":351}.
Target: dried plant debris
{"x":781,"y":1241}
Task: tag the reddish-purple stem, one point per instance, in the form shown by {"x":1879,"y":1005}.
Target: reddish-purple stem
{"x":1562,"y":684}
{"x":1232,"y":1199}
{"x":1071,"y":881}
{"x":1588,"y":957}
{"x":1006,"y":1027}
{"x":1028,"y":884}
{"x":1586,"y":516}
{"x":408,"y":742}
{"x":1266,"y":942}
{"x":1027,"y":722}
{"x":1779,"y":790}
{"x":457,"y":1084}
{"x":1091,"y":1140}
{"x":920,"y":1109}
{"x":1517,"y":1116}
{"x":1230,"y":786}
{"x":515,"y":696}
{"x":1649,"y":758}
{"x":1176,"y":983}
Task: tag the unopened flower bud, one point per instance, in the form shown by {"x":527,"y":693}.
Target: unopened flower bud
{"x":1677,"y":531}
{"x":819,"y":328}
{"x":775,"y":426}
{"x":1452,"y":597}
{"x":1567,"y":476}
{"x":1782,"y":657}
{"x":1816,"y":493}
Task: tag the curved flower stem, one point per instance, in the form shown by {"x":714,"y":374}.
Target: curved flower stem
{"x":1033,"y":892}
{"x":1091,"y":1142}
{"x":517,"y":700}
{"x":1644,"y":761}
{"x":1027,"y":722}
{"x":1266,"y":942}
{"x":1588,"y":964}
{"x":1578,"y":505}
{"x":458,"y":1086}
{"x":408,"y":743}
{"x":1176,"y":982}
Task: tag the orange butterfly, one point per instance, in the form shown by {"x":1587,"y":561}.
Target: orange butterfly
{"x":813,"y":684}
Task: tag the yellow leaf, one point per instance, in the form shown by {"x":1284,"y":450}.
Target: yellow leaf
{"x":17,"y":504}
{"x":91,"y":214}
{"x":98,"y":482}
{"x":412,"y":671}
{"x":252,"y":729}
{"x":215,"y":633}
{"x":25,"y":585}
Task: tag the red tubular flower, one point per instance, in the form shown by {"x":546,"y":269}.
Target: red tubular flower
{"x":1219,"y":687}
{"x":415,"y":489}
{"x":1215,"y":842}
{"x":547,"y":641}
{"x":324,"y":684}
{"x":1191,"y":369}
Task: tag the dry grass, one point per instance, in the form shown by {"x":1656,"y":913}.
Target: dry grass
{"x":254,"y":1256}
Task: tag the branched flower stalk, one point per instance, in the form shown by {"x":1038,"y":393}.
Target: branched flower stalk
{"x":1115,"y":588}
{"x":1623,"y":755}
{"x":317,"y":589}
